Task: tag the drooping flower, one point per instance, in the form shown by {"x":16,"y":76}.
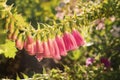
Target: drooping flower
{"x":19,"y":42}
{"x":89,"y":61}
{"x":31,"y":49}
{"x":29,"y":40}
{"x":105,"y":61}
{"x":51,"y":47}
{"x":70,"y":42}
{"x":79,"y":39}
{"x":38,"y":46}
{"x":57,"y":52}
{"x":46,"y":51}
{"x":61,"y":45}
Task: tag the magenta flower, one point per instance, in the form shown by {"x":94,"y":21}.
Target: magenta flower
{"x":46,"y":50}
{"x":61,"y":45}
{"x":89,"y":61}
{"x":57,"y":52}
{"x":105,"y":61}
{"x":70,"y":42}
{"x":51,"y":47}
{"x":79,"y":39}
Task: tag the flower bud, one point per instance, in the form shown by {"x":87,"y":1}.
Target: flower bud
{"x":7,"y":23}
{"x":61,"y":45}
{"x":70,"y":42}
{"x":19,"y":42}
{"x":9,"y":35}
{"x":11,"y":26}
{"x":15,"y":34}
{"x":79,"y":39}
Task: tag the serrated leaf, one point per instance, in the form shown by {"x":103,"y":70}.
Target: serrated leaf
{"x":9,"y":49}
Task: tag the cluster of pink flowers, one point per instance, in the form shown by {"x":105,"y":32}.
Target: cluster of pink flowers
{"x":52,"y":48}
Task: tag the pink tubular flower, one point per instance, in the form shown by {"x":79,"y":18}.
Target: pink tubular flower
{"x":51,"y":47}
{"x":19,"y":43}
{"x":105,"y":61}
{"x":29,"y":40}
{"x":79,"y":39}
{"x":38,"y":46}
{"x":89,"y":61}
{"x":61,"y":45}
{"x":46,"y":50}
{"x":31,"y":49}
{"x":57,"y":52}
{"x":69,"y":40}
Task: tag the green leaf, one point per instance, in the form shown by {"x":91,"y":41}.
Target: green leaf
{"x":18,"y":78}
{"x":2,"y":36}
{"x":25,"y":76}
{"x":8,"y":49}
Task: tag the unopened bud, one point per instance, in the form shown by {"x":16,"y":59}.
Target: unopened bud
{"x":15,"y":34}
{"x":19,"y":42}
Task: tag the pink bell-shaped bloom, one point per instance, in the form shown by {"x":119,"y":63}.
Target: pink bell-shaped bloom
{"x":19,"y":43}
{"x":57,"y":52}
{"x":38,"y":46}
{"x":51,"y":47}
{"x":61,"y":45}
{"x":28,"y":42}
{"x":79,"y":39}
{"x":46,"y":50}
{"x":30,"y":39}
{"x":31,"y":49}
{"x":70,"y":42}
{"x":105,"y":61}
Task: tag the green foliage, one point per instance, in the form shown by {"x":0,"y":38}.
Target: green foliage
{"x":37,"y":10}
{"x":8,"y":49}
